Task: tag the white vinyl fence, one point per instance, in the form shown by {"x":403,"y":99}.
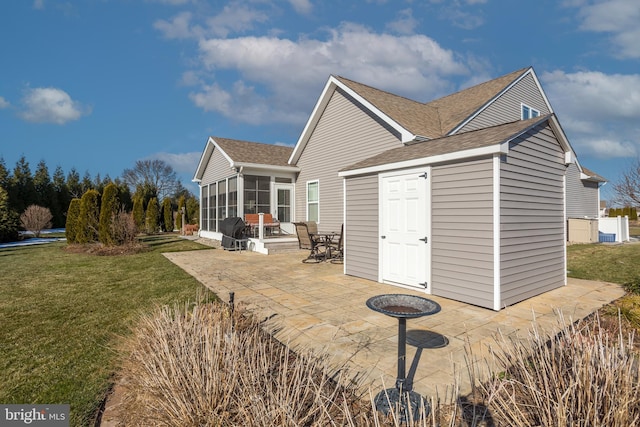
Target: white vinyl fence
{"x":618,"y":226}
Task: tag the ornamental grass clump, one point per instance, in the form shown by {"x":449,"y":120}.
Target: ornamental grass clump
{"x":584,"y":376}
{"x":208,"y":365}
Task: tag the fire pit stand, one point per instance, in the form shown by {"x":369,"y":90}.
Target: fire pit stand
{"x":402,"y":307}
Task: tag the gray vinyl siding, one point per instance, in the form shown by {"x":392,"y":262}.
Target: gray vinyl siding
{"x":532,"y":217}
{"x":217,"y":168}
{"x":361,"y":227}
{"x":462,"y":232}
{"x":344,"y":135}
{"x":507,"y":107}
{"x":582,"y":196}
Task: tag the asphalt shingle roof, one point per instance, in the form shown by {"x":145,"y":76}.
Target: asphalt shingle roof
{"x":254,"y":152}
{"x":436,"y":118}
{"x":450,"y":144}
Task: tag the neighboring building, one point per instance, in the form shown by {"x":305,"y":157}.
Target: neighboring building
{"x":465,"y":197}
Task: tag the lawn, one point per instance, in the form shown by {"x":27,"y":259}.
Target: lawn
{"x":609,"y":263}
{"x":64,"y":313}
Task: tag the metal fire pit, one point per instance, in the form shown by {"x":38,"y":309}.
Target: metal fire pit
{"x":402,"y":307}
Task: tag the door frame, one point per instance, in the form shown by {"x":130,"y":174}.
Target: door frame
{"x":427,"y":225}
{"x":286,"y":226}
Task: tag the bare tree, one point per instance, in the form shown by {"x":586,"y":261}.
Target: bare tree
{"x":36,"y":218}
{"x":154,"y":176}
{"x":627,"y":189}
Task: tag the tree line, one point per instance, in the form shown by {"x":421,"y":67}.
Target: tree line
{"x":21,"y":188}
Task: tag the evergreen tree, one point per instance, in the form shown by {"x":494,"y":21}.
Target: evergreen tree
{"x":9,"y":219}
{"x":4,"y":175}
{"x":108,"y":210}
{"x":62,"y":197}
{"x":87,"y":183}
{"x":74,"y":187}
{"x":138,"y":213}
{"x":89,"y":217}
{"x":151,"y":219}
{"x":626,"y":211}
{"x":22,"y":191}
{"x":73,"y":221}
{"x":124,"y":195}
{"x":633,"y":216}
{"x":181,"y":205}
{"x":45,"y":195}
{"x":193,"y":210}
{"x":167,"y":214}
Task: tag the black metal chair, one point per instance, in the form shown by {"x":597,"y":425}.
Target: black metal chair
{"x":306,"y":240}
{"x":337,"y":251}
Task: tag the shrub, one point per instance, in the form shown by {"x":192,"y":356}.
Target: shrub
{"x":181,"y":205}
{"x":89,"y":217}
{"x":9,"y":221}
{"x":36,"y":218}
{"x":167,"y":214}
{"x":151,"y":218}
{"x":108,"y":209}
{"x":123,"y":228}
{"x":138,"y":213}
{"x":633,"y":215}
{"x":72,"y":224}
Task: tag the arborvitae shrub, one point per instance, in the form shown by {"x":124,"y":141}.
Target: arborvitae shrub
{"x":633,"y":215}
{"x":151,"y":219}
{"x":89,"y":217}
{"x":108,"y":209}
{"x":167,"y":214}
{"x":179,"y":215}
{"x":73,"y":219}
{"x":138,"y":213}
{"x":626,"y":211}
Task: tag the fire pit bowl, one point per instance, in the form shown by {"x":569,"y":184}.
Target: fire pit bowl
{"x":403,"y":306}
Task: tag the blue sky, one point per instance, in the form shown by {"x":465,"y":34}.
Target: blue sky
{"x":99,"y":84}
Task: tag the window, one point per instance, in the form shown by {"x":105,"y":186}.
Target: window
{"x":204,"y":198}
{"x":313,"y":201}
{"x":222,"y":199}
{"x":257,"y":194}
{"x":212,"y":207}
{"x":233,"y":197}
{"x":528,"y":112}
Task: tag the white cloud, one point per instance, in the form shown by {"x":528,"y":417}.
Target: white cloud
{"x":4,"y":103}
{"x":619,"y":18}
{"x":51,"y":105}
{"x":303,"y":7}
{"x":178,"y":27}
{"x":38,"y":4}
{"x":179,"y":162}
{"x":600,"y":112}
{"x":293,"y":72}
{"x":233,"y":18}
{"x":404,"y":23}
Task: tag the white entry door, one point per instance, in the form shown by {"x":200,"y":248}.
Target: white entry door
{"x":284,"y":206}
{"x":404,"y":225}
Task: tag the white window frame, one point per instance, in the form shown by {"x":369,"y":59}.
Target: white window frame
{"x":307,"y":202}
{"x":532,"y":112}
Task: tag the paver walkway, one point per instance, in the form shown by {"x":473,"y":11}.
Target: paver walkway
{"x":316,"y":307}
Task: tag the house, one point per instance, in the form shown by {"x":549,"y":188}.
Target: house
{"x":464,"y":197}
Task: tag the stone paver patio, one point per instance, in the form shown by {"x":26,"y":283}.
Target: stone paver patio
{"x":316,"y":307}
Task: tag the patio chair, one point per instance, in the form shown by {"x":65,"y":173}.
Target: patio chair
{"x":337,"y":250}
{"x":306,"y":240}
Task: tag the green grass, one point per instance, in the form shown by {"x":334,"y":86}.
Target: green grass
{"x":609,"y":263}
{"x":63,"y":314}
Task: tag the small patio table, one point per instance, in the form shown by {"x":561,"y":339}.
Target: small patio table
{"x":327,"y":239}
